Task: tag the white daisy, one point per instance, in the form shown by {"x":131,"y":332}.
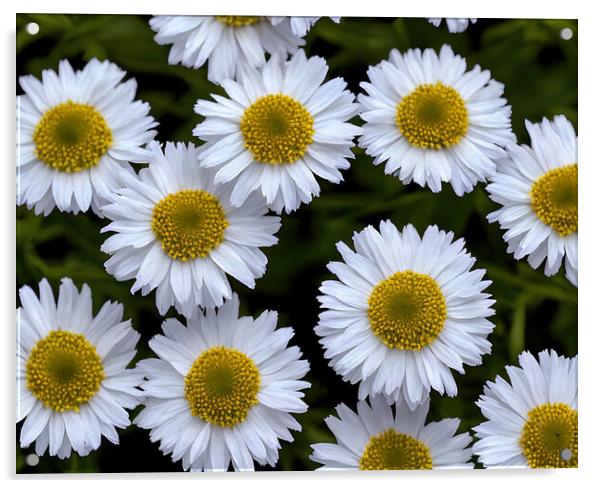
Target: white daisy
{"x":176,"y":231}
{"x":301,"y":25}
{"x":279,"y":129}
{"x":76,"y":132}
{"x":375,"y":439}
{"x":406,"y":311}
{"x":72,"y":383}
{"x":537,"y":188}
{"x":223,"y":389}
{"x":531,"y":421}
{"x":432,"y":121}
{"x":224,"y":42}
{"x":453,"y":25}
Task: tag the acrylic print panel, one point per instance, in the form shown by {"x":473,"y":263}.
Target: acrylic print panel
{"x":295,"y":243}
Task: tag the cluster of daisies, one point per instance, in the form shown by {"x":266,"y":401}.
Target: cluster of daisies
{"x":404,"y":313}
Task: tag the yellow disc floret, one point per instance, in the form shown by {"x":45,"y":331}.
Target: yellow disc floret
{"x":554,"y":199}
{"x":221,"y":386}
{"x":237,"y":20}
{"x":407,"y":310}
{"x":64,"y":371}
{"x":72,"y":137}
{"x":189,"y":224}
{"x":549,"y":436}
{"x":433,"y":116}
{"x":394,"y":450}
{"x":277,"y":129}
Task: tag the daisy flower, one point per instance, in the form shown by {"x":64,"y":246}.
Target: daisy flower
{"x":72,"y":383}
{"x":453,"y":25}
{"x":404,"y":312}
{"x":537,"y":188}
{"x":301,"y":25}
{"x":77,"y":131}
{"x":223,"y":389}
{"x":376,"y":439}
{"x":432,"y":121}
{"x":280,"y":128}
{"x":224,"y":42}
{"x":176,"y":231}
{"x":531,"y":421}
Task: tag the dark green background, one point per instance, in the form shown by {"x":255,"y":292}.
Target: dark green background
{"x":533,"y":312}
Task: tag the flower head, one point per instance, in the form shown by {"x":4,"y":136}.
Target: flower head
{"x":375,"y":439}
{"x":72,"y":383}
{"x":280,"y":128}
{"x":537,"y":188}
{"x":225,"y":42}
{"x":176,"y":232}
{"x":531,"y":421}
{"x":223,"y":389}
{"x":404,"y":312}
{"x":432,"y":121}
{"x":77,"y":132}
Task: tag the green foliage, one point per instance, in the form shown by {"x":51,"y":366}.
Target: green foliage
{"x":533,"y":312}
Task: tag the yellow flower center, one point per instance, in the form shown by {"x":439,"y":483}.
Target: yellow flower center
{"x":407,"y":310}
{"x":72,"y":137}
{"x":433,"y":116}
{"x":189,"y":224}
{"x":549,"y":437}
{"x":221,"y":386}
{"x":277,"y":129}
{"x":393,"y":450}
{"x":64,"y":371}
{"x":554,"y":199}
{"x":237,"y":20}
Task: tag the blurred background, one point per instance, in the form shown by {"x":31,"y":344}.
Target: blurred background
{"x":535,"y":59}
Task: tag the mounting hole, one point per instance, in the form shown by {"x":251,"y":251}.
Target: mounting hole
{"x":32,"y":28}
{"x":566,"y":454}
{"x":32,"y":460}
{"x":566,"y":34}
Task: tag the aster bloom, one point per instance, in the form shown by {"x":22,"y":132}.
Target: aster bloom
{"x":376,"y":439}
{"x":176,"y":232}
{"x":433,"y":121}
{"x":537,"y":188}
{"x":72,"y":383}
{"x":77,"y":131}
{"x":531,"y":421}
{"x":224,"y":42}
{"x":453,"y":25}
{"x":280,"y":128}
{"x":223,"y":389}
{"x":300,"y":25}
{"x":404,"y":312}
